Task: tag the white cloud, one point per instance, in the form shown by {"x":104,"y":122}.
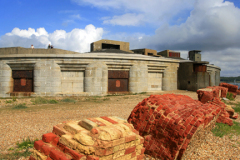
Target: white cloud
{"x":213,"y":27}
{"x":129,"y":19}
{"x":152,"y":11}
{"x":77,"y":40}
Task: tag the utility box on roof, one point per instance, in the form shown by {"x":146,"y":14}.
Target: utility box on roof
{"x":110,"y":44}
{"x":194,"y":55}
{"x":169,"y":53}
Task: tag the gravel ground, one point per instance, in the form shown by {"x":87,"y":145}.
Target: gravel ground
{"x":37,"y":120}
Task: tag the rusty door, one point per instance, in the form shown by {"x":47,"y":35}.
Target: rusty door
{"x":118,"y":81}
{"x":23,"y":81}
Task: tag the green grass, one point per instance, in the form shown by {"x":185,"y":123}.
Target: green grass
{"x":52,"y":101}
{"x":22,"y":150}
{"x":68,"y":100}
{"x":230,"y":96}
{"x":223,"y":129}
{"x":20,"y":106}
{"x":41,"y":100}
{"x":237,"y":108}
{"x":8,"y":101}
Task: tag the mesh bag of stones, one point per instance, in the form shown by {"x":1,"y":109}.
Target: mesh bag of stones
{"x":102,"y":138}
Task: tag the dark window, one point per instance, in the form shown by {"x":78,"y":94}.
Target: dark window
{"x":110,"y":46}
{"x":151,"y":54}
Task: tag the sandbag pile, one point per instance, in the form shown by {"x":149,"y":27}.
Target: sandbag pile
{"x":231,"y":88}
{"x":103,"y":138}
{"x":172,"y":123}
{"x":208,"y":94}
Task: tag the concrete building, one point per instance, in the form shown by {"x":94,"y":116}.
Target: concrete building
{"x":194,"y":74}
{"x":194,"y":55}
{"x":110,"y":44}
{"x":53,"y":72}
{"x":110,"y":67}
{"x":169,"y":53}
{"x":145,"y":51}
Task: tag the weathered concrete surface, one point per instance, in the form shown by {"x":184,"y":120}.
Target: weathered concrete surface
{"x":6,"y":81}
{"x":47,"y":78}
{"x":102,"y":138}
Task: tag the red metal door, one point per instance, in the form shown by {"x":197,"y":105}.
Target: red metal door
{"x":23,"y":85}
{"x":118,"y":81}
{"x":118,"y":85}
{"x":23,"y":80}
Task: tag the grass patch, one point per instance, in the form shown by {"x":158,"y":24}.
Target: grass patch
{"x":68,"y":100}
{"x":22,"y":150}
{"x":52,"y":101}
{"x":97,"y":99}
{"x":41,"y":100}
{"x":223,"y":129}
{"x":237,"y":108}
{"x":230,"y":96}
{"x":8,"y":101}
{"x":20,"y":106}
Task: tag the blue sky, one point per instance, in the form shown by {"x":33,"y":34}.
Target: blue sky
{"x":182,"y":25}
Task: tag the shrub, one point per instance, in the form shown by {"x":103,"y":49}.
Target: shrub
{"x":8,"y":101}
{"x":39,"y":100}
{"x":20,"y":106}
{"x":22,"y":150}
{"x":68,"y":100}
{"x":52,"y":101}
{"x":230,"y":96}
{"x":14,"y":99}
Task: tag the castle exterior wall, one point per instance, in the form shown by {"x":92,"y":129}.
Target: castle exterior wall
{"x":85,"y":74}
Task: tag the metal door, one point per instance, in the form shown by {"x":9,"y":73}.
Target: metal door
{"x":23,"y":80}
{"x":118,"y":81}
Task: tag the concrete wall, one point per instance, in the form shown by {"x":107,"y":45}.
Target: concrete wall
{"x":163,"y":53}
{"x":20,"y":50}
{"x":6,"y":81}
{"x":124,"y":46}
{"x":145,"y":51}
{"x":138,"y":78}
{"x":214,"y":73}
{"x":87,"y":74}
{"x":47,"y":78}
{"x":170,"y":77}
{"x":154,"y":81}
{"x":190,"y":80}
{"x":96,"y":78}
{"x":202,"y":80}
{"x":72,"y":81}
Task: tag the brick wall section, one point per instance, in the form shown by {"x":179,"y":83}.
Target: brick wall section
{"x":213,"y":95}
{"x":168,"y":123}
{"x":231,"y":88}
{"x":208,"y":94}
{"x":99,"y":138}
